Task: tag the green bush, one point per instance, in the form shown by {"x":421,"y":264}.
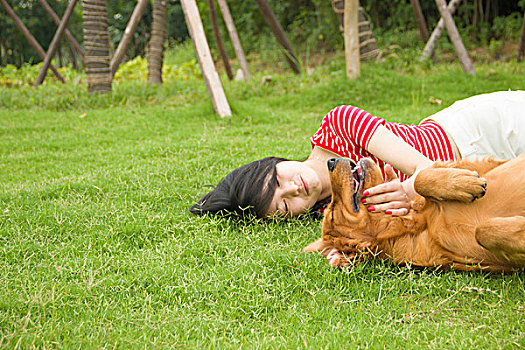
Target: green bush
{"x":11,"y":76}
{"x":137,"y":70}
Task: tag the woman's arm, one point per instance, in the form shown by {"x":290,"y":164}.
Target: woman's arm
{"x":394,"y":196}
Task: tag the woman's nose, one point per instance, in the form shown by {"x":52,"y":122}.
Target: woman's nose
{"x":291,"y":188}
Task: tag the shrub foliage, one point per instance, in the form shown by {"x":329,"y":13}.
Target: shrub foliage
{"x":310,"y":24}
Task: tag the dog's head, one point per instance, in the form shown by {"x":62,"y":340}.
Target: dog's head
{"x":347,"y":222}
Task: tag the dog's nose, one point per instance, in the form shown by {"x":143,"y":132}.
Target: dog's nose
{"x":331,"y":163}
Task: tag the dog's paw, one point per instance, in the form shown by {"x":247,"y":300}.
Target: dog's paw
{"x":450,"y":184}
{"x":338,"y":259}
{"x":467,"y":186}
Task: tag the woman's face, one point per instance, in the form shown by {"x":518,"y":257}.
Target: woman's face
{"x":298,"y":189}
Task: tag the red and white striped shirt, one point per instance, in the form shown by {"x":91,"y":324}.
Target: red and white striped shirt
{"x":346,"y":131}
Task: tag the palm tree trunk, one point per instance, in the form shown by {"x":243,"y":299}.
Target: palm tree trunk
{"x":96,"y":43}
{"x":156,"y":43}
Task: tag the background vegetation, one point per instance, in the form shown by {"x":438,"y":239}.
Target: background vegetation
{"x":310,"y":24}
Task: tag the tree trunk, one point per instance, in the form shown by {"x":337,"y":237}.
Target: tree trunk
{"x":209,"y":73}
{"x":32,"y":41}
{"x":156,"y":42}
{"x":431,"y":44}
{"x":96,"y":43}
{"x":367,"y":43}
{"x":236,"y":42}
{"x":521,"y":46}
{"x":55,"y":42}
{"x":67,"y":33}
{"x":279,"y":34}
{"x":420,"y":18}
{"x":351,"y":38}
{"x":218,"y":39}
{"x":128,"y":35}
{"x":454,"y":36}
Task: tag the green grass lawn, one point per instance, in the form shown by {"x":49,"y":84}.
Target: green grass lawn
{"x":98,"y":249}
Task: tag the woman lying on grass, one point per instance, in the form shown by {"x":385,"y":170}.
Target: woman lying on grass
{"x":489,"y":124}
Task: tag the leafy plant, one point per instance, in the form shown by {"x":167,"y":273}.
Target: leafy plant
{"x":11,"y":76}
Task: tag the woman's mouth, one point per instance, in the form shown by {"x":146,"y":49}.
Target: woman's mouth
{"x":305,"y":185}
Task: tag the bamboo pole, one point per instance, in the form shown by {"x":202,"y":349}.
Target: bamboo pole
{"x":128,"y":34}
{"x":76,"y":46}
{"x":521,"y":45}
{"x":430,"y":46}
{"x":218,"y":39}
{"x":420,"y":18}
{"x":234,"y":37}
{"x":211,"y":78}
{"x":351,"y":38}
{"x":32,"y":41}
{"x":454,"y":36}
{"x":279,"y":34}
{"x":54,"y":43}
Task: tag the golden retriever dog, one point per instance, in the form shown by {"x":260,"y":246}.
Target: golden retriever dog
{"x":453,"y":223}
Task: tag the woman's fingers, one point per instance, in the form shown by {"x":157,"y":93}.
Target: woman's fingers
{"x":389,"y":197}
{"x":389,"y":173}
{"x":384,"y":188}
{"x":399,"y":212}
{"x":390,"y":206}
{"x":387,"y":192}
{"x":386,"y":197}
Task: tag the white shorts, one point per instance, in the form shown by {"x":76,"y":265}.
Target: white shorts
{"x":486,"y":125}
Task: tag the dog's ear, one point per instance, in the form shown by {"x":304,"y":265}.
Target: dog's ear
{"x":315,"y":246}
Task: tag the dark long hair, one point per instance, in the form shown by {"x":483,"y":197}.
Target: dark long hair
{"x":246,"y":190}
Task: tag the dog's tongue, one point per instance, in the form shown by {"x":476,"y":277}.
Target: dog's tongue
{"x":356,"y":174}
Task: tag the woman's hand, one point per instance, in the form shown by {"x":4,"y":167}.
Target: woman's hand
{"x":393,"y":197}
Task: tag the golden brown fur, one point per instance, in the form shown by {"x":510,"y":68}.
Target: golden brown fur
{"x":452,"y":224}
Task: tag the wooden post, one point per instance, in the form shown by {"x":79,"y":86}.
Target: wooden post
{"x":218,"y":39}
{"x":367,"y":43}
{"x":351,"y":38}
{"x":232,"y":31}
{"x":128,"y":34}
{"x":32,"y":41}
{"x":211,"y":78}
{"x":278,"y":32}
{"x":54,"y":43}
{"x":454,"y":36}
{"x":76,"y":46}
{"x":420,"y":18}
{"x":430,"y":46}
{"x":521,"y":45}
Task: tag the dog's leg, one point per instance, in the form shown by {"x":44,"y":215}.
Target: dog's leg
{"x":504,"y":237}
{"x":315,"y":246}
{"x":335,"y":258}
{"x":481,"y":166}
{"x":442,"y":183}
